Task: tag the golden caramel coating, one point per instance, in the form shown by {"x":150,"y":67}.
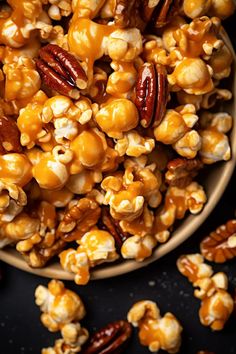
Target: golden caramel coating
{"x":216,"y":302}
{"x":21,"y":227}
{"x":134,"y":144}
{"x":117,"y":117}
{"x":156,"y":332}
{"x":12,"y":200}
{"x":138,"y":248}
{"x":73,"y":337}
{"x":193,"y":76}
{"x":177,"y":202}
{"x":175,"y":129}
{"x":59,"y":305}
{"x":96,"y":247}
{"x":222,"y":8}
{"x":220,"y":63}
{"x":22,"y":80}
{"x":215,"y":146}
{"x":80,"y":216}
{"x":16,"y":169}
{"x":197,"y":8}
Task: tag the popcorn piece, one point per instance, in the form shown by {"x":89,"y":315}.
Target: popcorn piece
{"x":45,"y":242}
{"x":193,"y":76}
{"x":210,"y":99}
{"x":216,"y":303}
{"x":197,"y":8}
{"x":220,"y":63}
{"x":73,"y":337}
{"x":177,"y":202}
{"x":133,"y":144}
{"x":12,"y":201}
{"x":156,"y":332}
{"x":215,"y":146}
{"x":222,"y":9}
{"x":59,"y":8}
{"x":96,"y":247}
{"x":117,"y":117}
{"x":138,"y":248}
{"x":175,"y":129}
{"x":84,"y":181}
{"x":22,"y":79}
{"x":21,"y":227}
{"x":121,"y":82}
{"x":199,"y":38}
{"x":60,"y":307}
{"x":15,"y":169}
{"x":80,"y":216}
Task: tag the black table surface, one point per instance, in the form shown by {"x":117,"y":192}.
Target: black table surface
{"x":108,"y":300}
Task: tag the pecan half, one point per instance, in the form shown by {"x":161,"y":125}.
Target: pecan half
{"x":9,"y":136}
{"x":180,"y":171}
{"x":61,"y":71}
{"x":112,"y":225}
{"x":151,"y":94}
{"x":78,"y":219}
{"x":220,"y":245}
{"x":165,"y":11}
{"x":110,"y":339}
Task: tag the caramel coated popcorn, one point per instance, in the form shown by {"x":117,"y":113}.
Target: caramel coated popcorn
{"x":99,"y":99}
{"x":216,"y":302}
{"x":155,"y":332}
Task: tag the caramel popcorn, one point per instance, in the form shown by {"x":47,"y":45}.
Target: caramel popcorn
{"x":215,"y":143}
{"x":216,"y":303}
{"x":59,"y":305}
{"x":12,"y":201}
{"x":73,"y":337}
{"x":176,"y":129}
{"x":99,"y":99}
{"x":95,"y":247}
{"x":177,"y":202}
{"x":156,"y":332}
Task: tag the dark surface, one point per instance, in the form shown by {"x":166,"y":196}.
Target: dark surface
{"x":109,"y":300}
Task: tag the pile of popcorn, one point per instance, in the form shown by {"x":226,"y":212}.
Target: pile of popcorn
{"x":80,"y":160}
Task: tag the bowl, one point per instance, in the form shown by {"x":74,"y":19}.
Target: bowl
{"x":215,"y":183}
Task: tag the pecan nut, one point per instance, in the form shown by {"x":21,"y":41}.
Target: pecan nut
{"x":78,"y":219}
{"x":112,"y":225}
{"x":165,"y":10}
{"x":220,"y":245}
{"x":110,"y":339}
{"x":9,"y":136}
{"x":180,"y":171}
{"x":151,"y":94}
{"x":61,"y":71}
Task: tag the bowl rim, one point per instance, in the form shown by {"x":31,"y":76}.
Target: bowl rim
{"x":12,"y":257}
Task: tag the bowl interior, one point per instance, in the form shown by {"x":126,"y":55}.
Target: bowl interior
{"x":214,"y":183}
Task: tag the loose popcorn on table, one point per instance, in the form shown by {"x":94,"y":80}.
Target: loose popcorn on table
{"x":216,"y":302}
{"x":155,"y":332}
{"x":85,"y":130}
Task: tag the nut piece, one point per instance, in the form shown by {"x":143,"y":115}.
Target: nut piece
{"x":80,"y":217}
{"x":112,"y":226}
{"x":182,"y":171}
{"x":9,"y":136}
{"x":61,"y":71}
{"x":151,"y":94}
{"x":165,"y":11}
{"x":155,"y":331}
{"x":220,"y":245}
{"x":216,"y":303}
{"x":110,"y":339}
